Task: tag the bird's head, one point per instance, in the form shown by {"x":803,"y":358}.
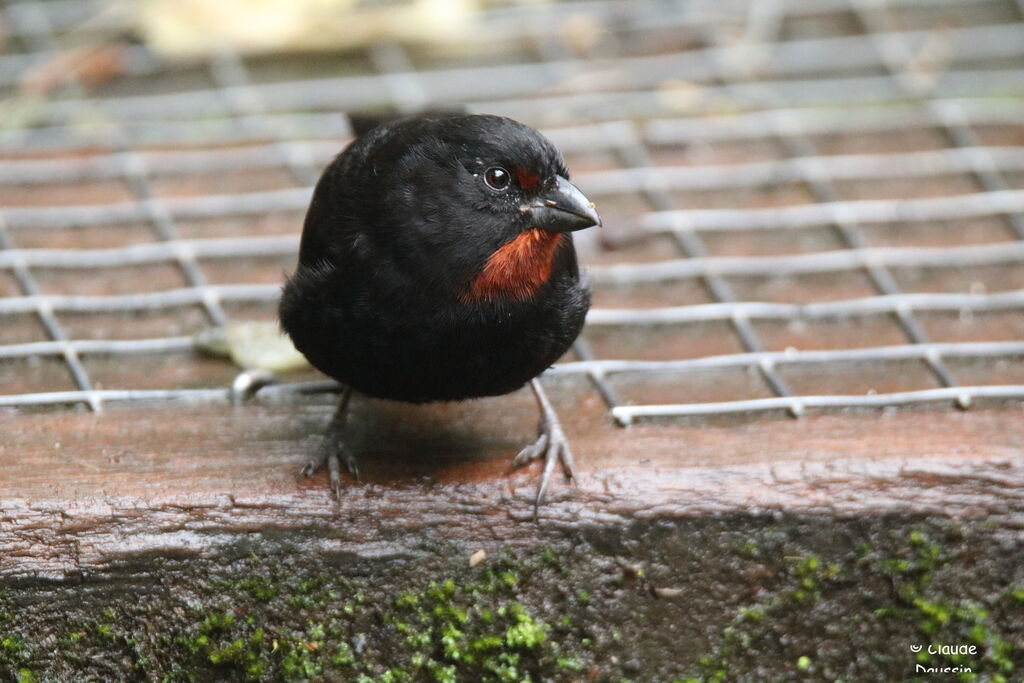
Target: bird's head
{"x":514,"y":179}
{"x":483,"y":198}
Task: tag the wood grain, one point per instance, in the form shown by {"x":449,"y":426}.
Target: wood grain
{"x":81,"y":491}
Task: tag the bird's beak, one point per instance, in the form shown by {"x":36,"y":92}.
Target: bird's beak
{"x":563,"y":208}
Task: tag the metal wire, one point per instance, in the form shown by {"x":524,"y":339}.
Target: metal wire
{"x":746,"y":82}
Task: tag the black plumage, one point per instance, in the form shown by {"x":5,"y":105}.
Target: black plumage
{"x":436,"y":264}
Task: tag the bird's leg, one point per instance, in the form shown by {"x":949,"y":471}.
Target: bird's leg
{"x":332,"y":450}
{"x":550,"y":445}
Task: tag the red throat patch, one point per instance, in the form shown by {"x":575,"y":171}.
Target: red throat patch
{"x":518,"y":269}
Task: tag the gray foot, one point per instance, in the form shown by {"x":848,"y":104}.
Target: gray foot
{"x":551,"y":445}
{"x":332,"y":451}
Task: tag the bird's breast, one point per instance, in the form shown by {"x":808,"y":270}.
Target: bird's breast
{"x":517,"y":269}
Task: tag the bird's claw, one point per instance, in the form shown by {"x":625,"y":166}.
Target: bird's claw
{"x":332,"y":450}
{"x":331,"y":455}
{"x":531,"y":452}
{"x":553,"y":446}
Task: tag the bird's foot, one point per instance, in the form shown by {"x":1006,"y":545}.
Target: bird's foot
{"x":551,"y":445}
{"x":331,"y":453}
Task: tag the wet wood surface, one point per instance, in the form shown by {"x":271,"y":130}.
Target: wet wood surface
{"x":80,"y":492}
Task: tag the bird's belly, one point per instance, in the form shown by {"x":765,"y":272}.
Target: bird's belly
{"x":453,"y":367}
{"x":428,"y":360}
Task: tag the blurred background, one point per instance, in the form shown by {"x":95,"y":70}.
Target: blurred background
{"x":801,"y":199}
{"x":811,"y":209}
{"x":807,"y":204}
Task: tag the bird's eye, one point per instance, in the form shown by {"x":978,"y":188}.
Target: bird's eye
{"x":497,"y":178}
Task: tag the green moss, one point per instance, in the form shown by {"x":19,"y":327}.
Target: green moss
{"x":526,"y":633}
{"x":12,"y":645}
{"x":916,"y":604}
{"x":583,"y":612}
{"x":14,"y":656}
{"x":473,"y":630}
{"x":260,"y":588}
{"x":249,"y":651}
{"x":468,"y":626}
{"x":943,"y":621}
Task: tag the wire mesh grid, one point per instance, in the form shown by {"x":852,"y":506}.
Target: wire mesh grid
{"x":807,"y":205}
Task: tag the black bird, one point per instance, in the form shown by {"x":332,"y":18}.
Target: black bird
{"x":436,"y":264}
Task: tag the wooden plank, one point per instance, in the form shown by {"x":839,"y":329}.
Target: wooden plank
{"x":81,"y":491}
